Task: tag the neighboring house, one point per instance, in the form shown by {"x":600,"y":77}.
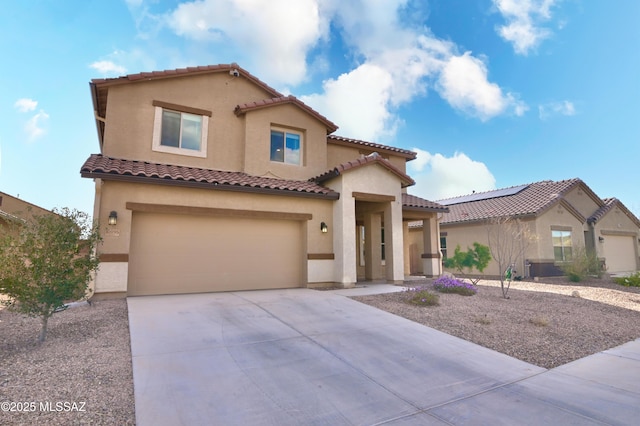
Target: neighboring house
{"x":563,"y":216}
{"x":15,"y":210}
{"x":210,"y":180}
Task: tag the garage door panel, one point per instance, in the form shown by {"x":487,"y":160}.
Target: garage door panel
{"x":620,"y":253}
{"x":189,"y":254}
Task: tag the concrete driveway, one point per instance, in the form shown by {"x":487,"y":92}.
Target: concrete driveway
{"x":305,"y":357}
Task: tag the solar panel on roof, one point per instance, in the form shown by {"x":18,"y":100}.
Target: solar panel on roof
{"x":483,"y":195}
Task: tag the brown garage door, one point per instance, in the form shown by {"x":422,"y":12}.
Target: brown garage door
{"x":620,"y":253}
{"x":191,"y":254}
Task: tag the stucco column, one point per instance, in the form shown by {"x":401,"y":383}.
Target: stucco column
{"x":405,"y":248}
{"x":373,"y":246}
{"x":344,"y":240}
{"x":431,"y":262}
{"x":393,"y":242}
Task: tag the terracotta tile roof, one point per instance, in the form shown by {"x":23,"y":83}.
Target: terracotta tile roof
{"x":414,"y":202}
{"x":99,"y":166}
{"x":362,"y":161}
{"x":609,"y":204}
{"x":180,"y":72}
{"x":339,"y":140}
{"x":100,"y":86}
{"x":266,"y":103}
{"x":602,"y":211}
{"x":531,"y":199}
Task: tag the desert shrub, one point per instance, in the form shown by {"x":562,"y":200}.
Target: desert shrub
{"x":582,"y":265}
{"x":632,"y":280}
{"x":422,"y":297}
{"x":447,"y":284}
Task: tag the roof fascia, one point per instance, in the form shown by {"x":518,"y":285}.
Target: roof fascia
{"x":424,"y":209}
{"x":190,"y":184}
{"x":335,"y":172}
{"x":487,"y":220}
{"x":378,"y":148}
{"x":167,"y":74}
{"x":291,"y":100}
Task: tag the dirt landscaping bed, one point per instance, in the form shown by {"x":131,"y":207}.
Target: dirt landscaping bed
{"x":80,"y":375}
{"x":541,"y":323}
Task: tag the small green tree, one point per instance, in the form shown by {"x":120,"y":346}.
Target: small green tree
{"x":47,"y":261}
{"x":477,"y":257}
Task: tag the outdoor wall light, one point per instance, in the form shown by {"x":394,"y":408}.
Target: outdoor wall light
{"x":601,"y":239}
{"x":324,"y":228}
{"x":113,"y":218}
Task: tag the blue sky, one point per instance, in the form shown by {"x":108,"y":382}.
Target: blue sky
{"x":490,"y":93}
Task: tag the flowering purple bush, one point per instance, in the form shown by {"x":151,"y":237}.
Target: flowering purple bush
{"x":446,"y":284}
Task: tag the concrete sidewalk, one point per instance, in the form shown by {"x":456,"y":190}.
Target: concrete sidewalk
{"x":294,"y":357}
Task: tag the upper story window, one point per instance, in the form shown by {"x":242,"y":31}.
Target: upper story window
{"x":180,"y":130}
{"x":286,"y":146}
{"x":562,"y":247}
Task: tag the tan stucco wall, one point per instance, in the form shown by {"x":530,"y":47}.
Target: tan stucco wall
{"x":557,"y":217}
{"x":116,"y":239}
{"x":130,"y":118}
{"x":115,"y":195}
{"x":340,"y":154}
{"x":314,"y":147}
{"x":465,"y":235}
{"x":18,"y":207}
{"x":580,"y":200}
{"x":616,"y":223}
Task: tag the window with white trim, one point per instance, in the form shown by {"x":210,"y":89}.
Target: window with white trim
{"x":180,"y":130}
{"x":562,"y":247}
{"x":286,"y":146}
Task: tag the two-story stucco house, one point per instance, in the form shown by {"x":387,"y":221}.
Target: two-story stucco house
{"x":210,"y":180}
{"x":561,"y":216}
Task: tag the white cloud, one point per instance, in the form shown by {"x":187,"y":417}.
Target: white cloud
{"x":524,"y":18}
{"x":108,"y":67}
{"x":278,"y":37}
{"x":439,"y":177}
{"x":396,"y":58}
{"x":362,"y":95}
{"x":406,"y":64}
{"x":464,"y":84}
{"x":25,"y":105}
{"x":550,"y":109}
{"x":35,"y":127}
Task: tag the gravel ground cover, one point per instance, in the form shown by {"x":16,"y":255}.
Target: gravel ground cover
{"x":80,"y":375}
{"x":546,"y":324}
